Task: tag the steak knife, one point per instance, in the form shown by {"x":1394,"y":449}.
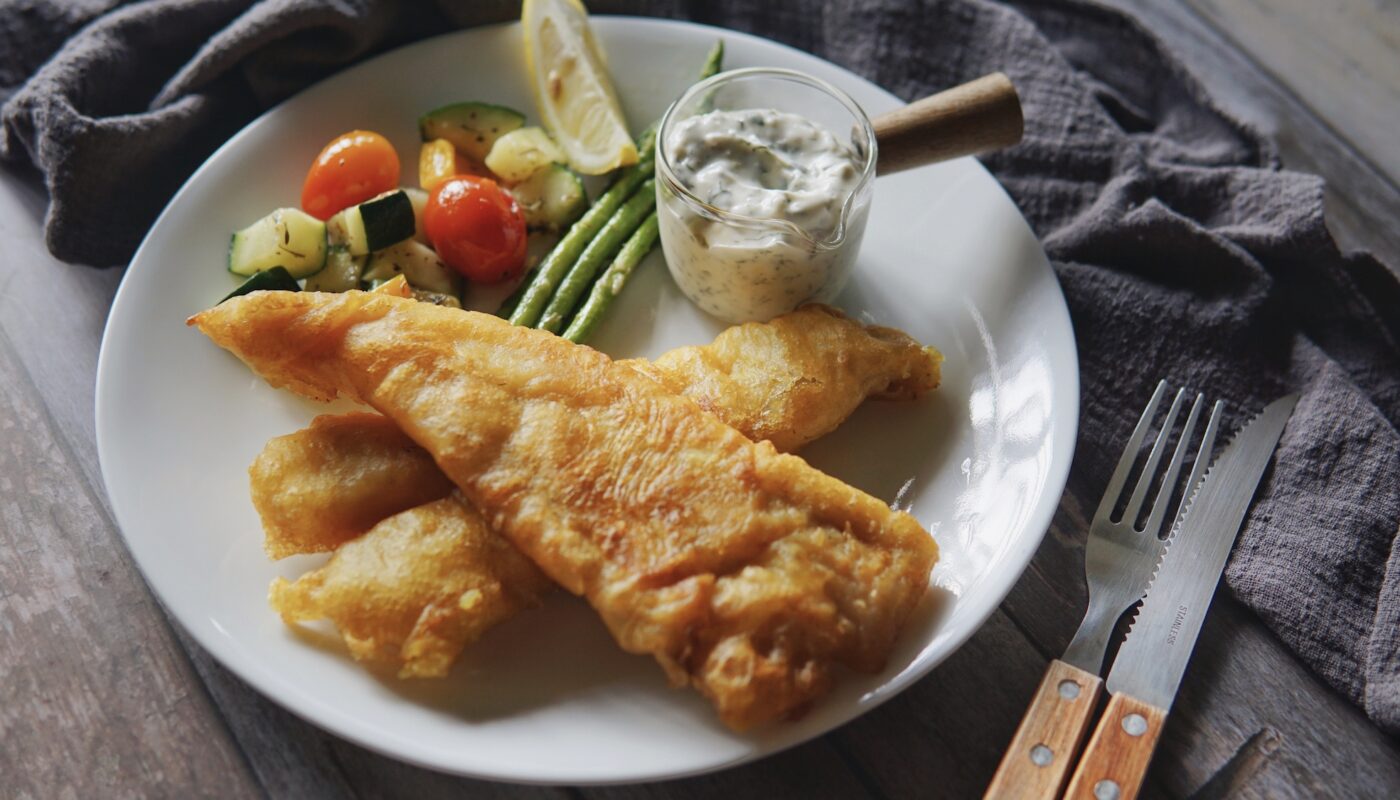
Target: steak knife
{"x":1153,"y":658}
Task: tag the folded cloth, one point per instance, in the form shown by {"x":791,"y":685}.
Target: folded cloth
{"x":1183,"y":249}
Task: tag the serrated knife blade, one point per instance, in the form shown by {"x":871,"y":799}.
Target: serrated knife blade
{"x":1153,"y":658}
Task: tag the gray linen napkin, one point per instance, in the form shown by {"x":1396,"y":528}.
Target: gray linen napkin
{"x":1184,"y":251}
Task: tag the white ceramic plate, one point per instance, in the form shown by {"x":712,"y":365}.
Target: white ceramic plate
{"x":549,"y":698}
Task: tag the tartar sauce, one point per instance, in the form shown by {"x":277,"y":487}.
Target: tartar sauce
{"x":769,"y":165}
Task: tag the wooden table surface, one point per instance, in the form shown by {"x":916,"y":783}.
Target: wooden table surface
{"x":101,"y":696}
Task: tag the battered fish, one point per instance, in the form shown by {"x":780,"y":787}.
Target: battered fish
{"x":324,"y":485}
{"x":412,"y":593}
{"x":794,"y":379}
{"x":744,"y":572}
{"x":327,"y":484}
{"x":790,"y":381}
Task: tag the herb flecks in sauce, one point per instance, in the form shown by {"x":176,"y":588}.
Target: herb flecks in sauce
{"x":767,"y":165}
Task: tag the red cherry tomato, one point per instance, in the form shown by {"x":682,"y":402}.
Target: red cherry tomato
{"x":477,"y":228}
{"x":350,"y":170}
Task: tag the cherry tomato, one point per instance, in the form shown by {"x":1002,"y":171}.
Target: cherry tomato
{"x":351,"y":169}
{"x":477,"y":228}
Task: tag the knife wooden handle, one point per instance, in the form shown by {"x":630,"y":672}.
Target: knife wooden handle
{"x":1040,"y":755}
{"x":1116,"y":759}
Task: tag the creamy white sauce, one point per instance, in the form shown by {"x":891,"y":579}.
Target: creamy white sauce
{"x":768,"y":165}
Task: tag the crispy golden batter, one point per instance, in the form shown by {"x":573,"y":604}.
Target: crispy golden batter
{"x":741,"y":570}
{"x":794,"y":379}
{"x":322,"y":486}
{"x":790,"y":381}
{"x":410,"y":593}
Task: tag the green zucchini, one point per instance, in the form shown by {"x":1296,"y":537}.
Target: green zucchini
{"x":288,"y":238}
{"x":471,"y":127}
{"x":418,"y":263}
{"x":419,"y":199}
{"x":374,"y":224}
{"x":552,"y":198}
{"x":342,"y":272}
{"x":276,"y":279}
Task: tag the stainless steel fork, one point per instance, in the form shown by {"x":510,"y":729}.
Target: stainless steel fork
{"x":1119,"y":561}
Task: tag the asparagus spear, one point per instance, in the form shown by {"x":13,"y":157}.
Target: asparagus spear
{"x":527,"y":303}
{"x":610,"y":283}
{"x":604,"y":245}
{"x":713,"y":61}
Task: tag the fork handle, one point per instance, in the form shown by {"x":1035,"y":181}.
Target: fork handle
{"x":1116,"y":759}
{"x":1039,"y":757}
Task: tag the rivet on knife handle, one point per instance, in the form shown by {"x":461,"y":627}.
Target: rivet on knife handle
{"x":1039,"y":758}
{"x":1116,"y":759}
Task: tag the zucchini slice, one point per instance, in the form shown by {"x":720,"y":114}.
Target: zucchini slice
{"x":419,"y":199}
{"x":471,"y":127}
{"x":416,"y":262}
{"x":551,"y":198}
{"x":276,"y":279}
{"x":288,"y":238}
{"x":374,"y":224}
{"x":342,"y":272}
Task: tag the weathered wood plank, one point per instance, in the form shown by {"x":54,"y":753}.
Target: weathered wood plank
{"x":1341,"y":58}
{"x":816,"y":769}
{"x":54,"y":313}
{"x":96,"y":696}
{"x":944,"y":736}
{"x":1362,"y":206}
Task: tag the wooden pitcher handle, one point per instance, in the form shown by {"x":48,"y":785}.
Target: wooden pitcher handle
{"x":977,"y":117}
{"x":1119,"y":752}
{"x":1042,"y":752}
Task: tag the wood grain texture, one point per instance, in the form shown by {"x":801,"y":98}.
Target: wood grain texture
{"x":977,"y":117}
{"x":1041,"y":754}
{"x":1341,"y":58}
{"x":814,"y":770}
{"x":95,"y":693}
{"x":1115,"y":760}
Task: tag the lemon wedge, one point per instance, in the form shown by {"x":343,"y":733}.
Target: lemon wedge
{"x":573,"y":93}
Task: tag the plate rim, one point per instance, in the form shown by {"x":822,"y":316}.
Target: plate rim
{"x":336,"y":722}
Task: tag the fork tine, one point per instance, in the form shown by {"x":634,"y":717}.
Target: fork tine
{"x":1159,"y":506}
{"x":1125,"y":462}
{"x":1203,"y":459}
{"x":1159,"y":447}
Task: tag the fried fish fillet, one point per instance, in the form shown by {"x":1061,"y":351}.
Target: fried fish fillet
{"x":794,"y":379}
{"x":743,"y":571}
{"x":411,"y":592}
{"x":327,"y":484}
{"x":790,"y":381}
{"x":324,"y":485}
